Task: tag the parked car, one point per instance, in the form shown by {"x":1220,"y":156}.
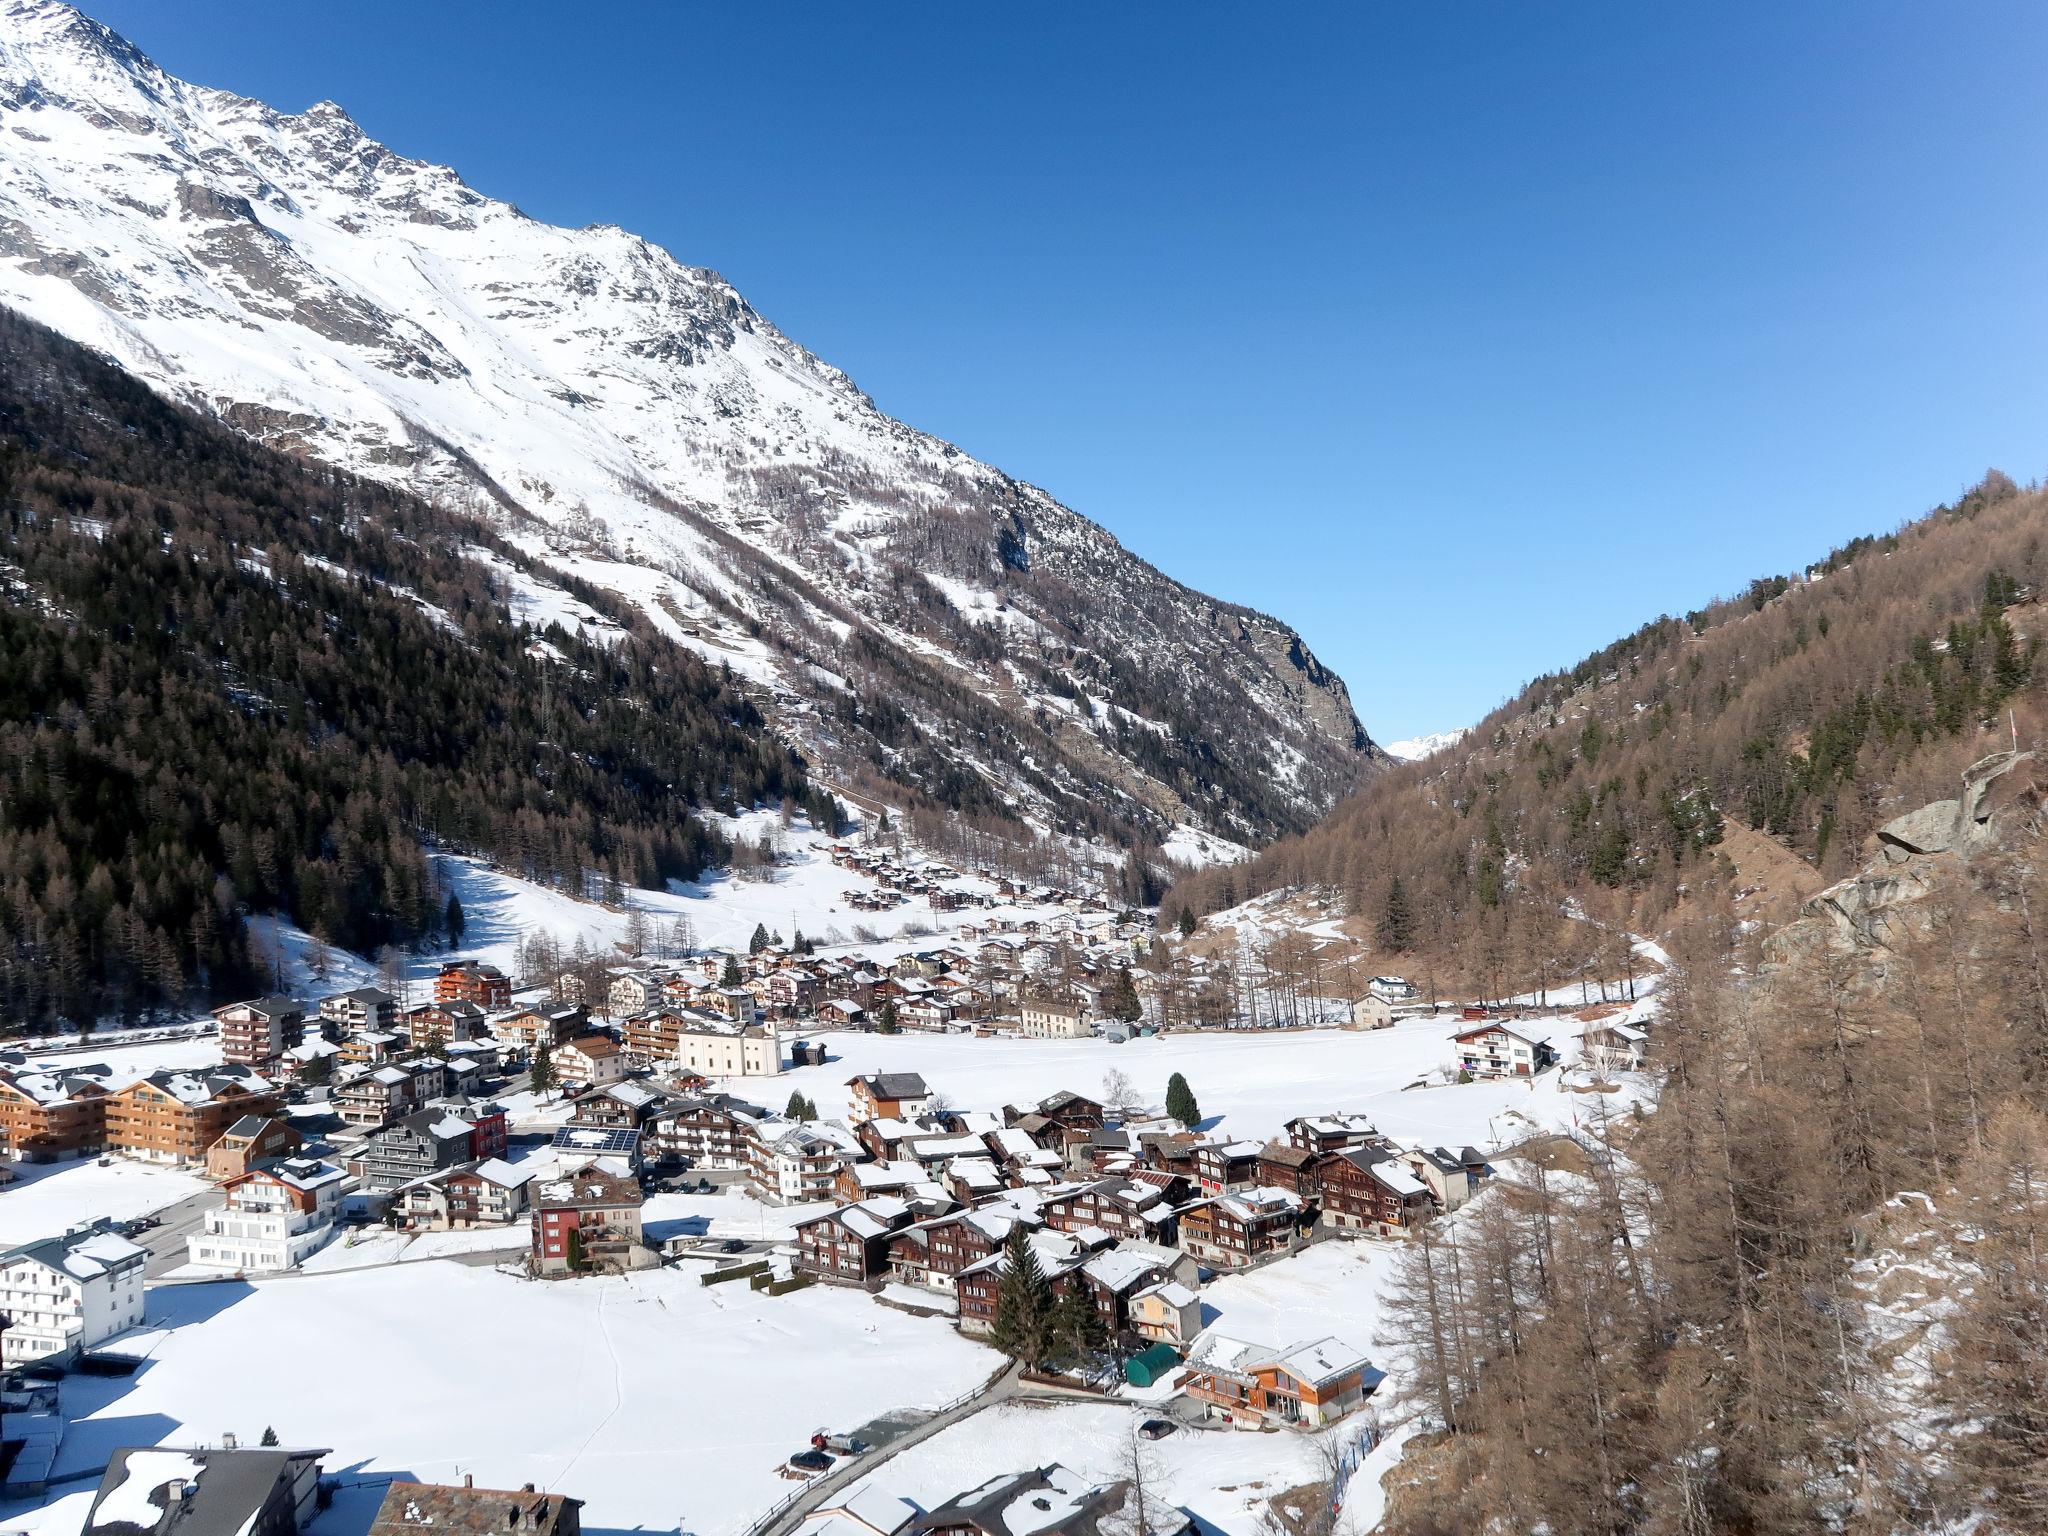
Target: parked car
{"x":733,"y":1245}
{"x":811,"y":1461}
{"x":1157,"y":1429}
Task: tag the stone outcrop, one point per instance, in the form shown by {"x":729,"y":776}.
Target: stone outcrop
{"x":2000,"y":809}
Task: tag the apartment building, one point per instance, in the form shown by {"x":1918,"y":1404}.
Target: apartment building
{"x":274,"y":1217}
{"x":64,"y":1295}
{"x":173,"y":1117}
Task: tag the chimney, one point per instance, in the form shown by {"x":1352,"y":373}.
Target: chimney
{"x":228,"y":1442}
{"x":469,"y":1479}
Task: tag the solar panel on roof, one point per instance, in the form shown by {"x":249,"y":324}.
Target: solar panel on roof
{"x":602,"y":1140}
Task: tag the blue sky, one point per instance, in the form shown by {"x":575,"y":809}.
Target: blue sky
{"x":1464,"y":338}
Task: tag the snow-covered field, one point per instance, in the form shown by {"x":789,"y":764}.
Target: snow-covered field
{"x":1248,"y":1084}
{"x":51,"y":1197}
{"x":652,"y":1398}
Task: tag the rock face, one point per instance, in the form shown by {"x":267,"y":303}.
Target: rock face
{"x":1999,"y":810}
{"x":898,"y":604}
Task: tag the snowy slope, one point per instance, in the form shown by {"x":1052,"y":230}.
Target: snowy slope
{"x":1416,"y":748}
{"x":636,"y":419}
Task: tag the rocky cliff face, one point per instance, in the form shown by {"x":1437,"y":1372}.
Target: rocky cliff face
{"x":2000,"y":809}
{"x":901,"y":606}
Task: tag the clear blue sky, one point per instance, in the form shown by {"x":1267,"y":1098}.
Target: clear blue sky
{"x":1462,"y":337}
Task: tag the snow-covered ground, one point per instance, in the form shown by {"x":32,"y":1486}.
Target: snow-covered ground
{"x":49,"y":1198}
{"x":654,"y":1399}
{"x":1224,"y":1477}
{"x":1249,"y":1084}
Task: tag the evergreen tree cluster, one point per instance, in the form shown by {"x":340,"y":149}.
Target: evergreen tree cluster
{"x":236,"y":683}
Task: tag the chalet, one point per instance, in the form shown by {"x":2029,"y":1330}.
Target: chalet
{"x":360,"y":1008}
{"x":421,"y":1143}
{"x":852,"y":1242}
{"x":1613,"y":1047}
{"x":226,"y":1490}
{"x":526,"y":1030}
{"x":710,"y":1131}
{"x":256,"y":1033}
{"x":48,"y":1116}
{"x":1122,"y":1208}
{"x":1071,"y":1111}
{"x":1166,"y":1312}
{"x":1291,"y":1168}
{"x":1044,"y":1501}
{"x":1494,"y":1049}
{"x":589,"y":1061}
{"x":1449,"y":1176}
{"x":490,"y":1193}
{"x":1304,"y":1385}
{"x":1329,"y":1133}
{"x":438,"y":1509}
{"x":435,"y":1026}
{"x":1369,"y":1189}
{"x":634,"y":992}
{"x":587,"y":1220}
{"x":1393,"y":989}
{"x":1221,"y":1166}
{"x":380,"y":1095}
{"x":794,"y":1163}
{"x":370,"y":1048}
{"x":975,"y":1285}
{"x":1231,"y":1231}
{"x":470,"y":981}
{"x":932,"y":1252}
{"x":272,"y":1218}
{"x":618,"y":1106}
{"x":173,"y":1117}
{"x":253,"y":1141}
{"x":887,"y":1095}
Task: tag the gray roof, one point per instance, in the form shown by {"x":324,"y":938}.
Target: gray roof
{"x":220,"y":1491}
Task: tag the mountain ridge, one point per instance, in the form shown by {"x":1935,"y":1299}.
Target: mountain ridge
{"x":633,"y":419}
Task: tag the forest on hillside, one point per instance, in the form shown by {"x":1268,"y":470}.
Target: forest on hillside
{"x":1810,"y":708}
{"x":1809,"y":1293}
{"x":236,"y":682}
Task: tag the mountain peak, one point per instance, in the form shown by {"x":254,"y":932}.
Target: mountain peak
{"x":637,"y":419}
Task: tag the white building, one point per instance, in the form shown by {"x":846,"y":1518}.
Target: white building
{"x":722,"y":1049}
{"x":274,"y":1218}
{"x":63,"y":1295}
{"x":1046,"y":1018}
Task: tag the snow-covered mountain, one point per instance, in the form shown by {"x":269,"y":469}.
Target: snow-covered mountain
{"x":909,"y":612}
{"x":1416,"y":748}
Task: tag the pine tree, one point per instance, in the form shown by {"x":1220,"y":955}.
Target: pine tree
{"x":799,"y":1108}
{"x":454,"y":921}
{"x":1024,"y":1304}
{"x":1187,"y":922}
{"x":885,"y":1021}
{"x":730,"y":976}
{"x":542,"y":1077}
{"x":269,"y":1436}
{"x":1120,"y":998}
{"x":1075,"y":1325}
{"x":1397,"y":920}
{"x":1180,"y":1101}
{"x":759,"y":941}
{"x":573,"y":1250}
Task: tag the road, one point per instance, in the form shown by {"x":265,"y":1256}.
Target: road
{"x":849,"y":1470}
{"x":166,"y":1243}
